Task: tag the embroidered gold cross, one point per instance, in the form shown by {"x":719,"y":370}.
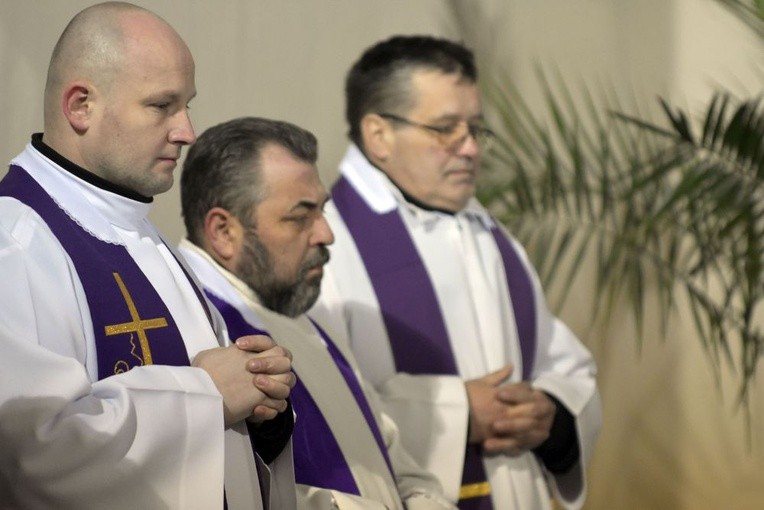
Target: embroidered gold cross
{"x":137,"y":325}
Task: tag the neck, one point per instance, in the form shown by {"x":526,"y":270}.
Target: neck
{"x":86,"y":175}
{"x":419,"y":203}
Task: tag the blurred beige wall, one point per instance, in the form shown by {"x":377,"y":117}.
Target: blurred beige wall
{"x":672,"y":437}
{"x":280,"y":59}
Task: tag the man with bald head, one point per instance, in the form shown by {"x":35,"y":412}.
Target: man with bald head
{"x":120,"y":387}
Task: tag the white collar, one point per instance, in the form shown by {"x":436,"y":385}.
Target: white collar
{"x":213,"y":275}
{"x":93,"y":208}
{"x":228,"y":287}
{"x":221,"y":282}
{"x":382,"y":196}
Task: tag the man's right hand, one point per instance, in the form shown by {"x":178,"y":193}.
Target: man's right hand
{"x":485,"y":407}
{"x":253,"y":376}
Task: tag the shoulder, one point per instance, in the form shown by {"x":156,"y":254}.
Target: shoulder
{"x":21,"y":226}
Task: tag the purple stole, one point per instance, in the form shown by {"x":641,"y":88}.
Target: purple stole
{"x":131,"y":323}
{"x":413,"y":320}
{"x":318,"y":459}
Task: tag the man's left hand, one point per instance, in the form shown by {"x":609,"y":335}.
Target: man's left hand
{"x":526,"y":422}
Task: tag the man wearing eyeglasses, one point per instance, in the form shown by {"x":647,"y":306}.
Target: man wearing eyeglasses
{"x":439,"y":303}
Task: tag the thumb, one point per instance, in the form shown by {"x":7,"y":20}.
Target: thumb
{"x":499,"y":376}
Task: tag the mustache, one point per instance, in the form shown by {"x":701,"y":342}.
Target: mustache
{"x":318,"y":258}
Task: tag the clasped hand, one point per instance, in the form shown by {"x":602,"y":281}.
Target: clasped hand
{"x":508,"y":418}
{"x":254,"y":377}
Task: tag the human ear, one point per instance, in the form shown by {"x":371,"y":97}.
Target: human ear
{"x":378,"y":137}
{"x":77,"y":105}
{"x":223,"y":234}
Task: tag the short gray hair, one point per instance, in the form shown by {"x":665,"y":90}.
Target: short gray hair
{"x":222,"y":169}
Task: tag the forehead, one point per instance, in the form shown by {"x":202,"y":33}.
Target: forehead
{"x":288,"y":179}
{"x":441,"y":95}
{"x":154,"y":61}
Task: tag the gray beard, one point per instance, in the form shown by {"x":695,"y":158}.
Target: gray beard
{"x":290,"y":298}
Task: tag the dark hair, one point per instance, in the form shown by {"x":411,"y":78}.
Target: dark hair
{"x":380,"y":80}
{"x":222,"y":169}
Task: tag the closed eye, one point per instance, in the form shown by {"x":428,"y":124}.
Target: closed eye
{"x":445,"y":130}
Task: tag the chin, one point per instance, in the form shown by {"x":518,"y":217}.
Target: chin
{"x":464,"y":196}
{"x":160,"y":186}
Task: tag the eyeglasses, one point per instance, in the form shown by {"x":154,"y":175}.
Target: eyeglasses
{"x":452,"y":135}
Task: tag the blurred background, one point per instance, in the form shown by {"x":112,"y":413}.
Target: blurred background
{"x":676,"y":432}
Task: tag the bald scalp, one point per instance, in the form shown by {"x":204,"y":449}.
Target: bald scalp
{"x":93,"y":48}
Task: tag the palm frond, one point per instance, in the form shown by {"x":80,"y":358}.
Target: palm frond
{"x":750,"y":12}
{"x":678,"y":206}
{"x":671,"y":209}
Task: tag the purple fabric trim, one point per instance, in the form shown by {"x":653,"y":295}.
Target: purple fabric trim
{"x":410,"y":311}
{"x":227,"y":311}
{"x":253,"y":444}
{"x":474,"y":473}
{"x":407,"y":300}
{"x":197,"y":291}
{"x":96,"y":262}
{"x":523,"y":300}
{"x":405,"y":294}
{"x":355,"y":387}
{"x":318,"y":460}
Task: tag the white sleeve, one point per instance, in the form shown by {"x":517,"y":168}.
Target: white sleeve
{"x":565,"y":368}
{"x":148,"y":438}
{"x":433,"y":411}
{"x":417,"y":487}
{"x":68,"y":443}
{"x":316,"y":498}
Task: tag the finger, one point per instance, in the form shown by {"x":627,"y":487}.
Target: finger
{"x":513,"y":427}
{"x":255,"y":343}
{"x":276,"y":351}
{"x":516,"y":393}
{"x":521,"y":393}
{"x":538,"y":406}
{"x":526,"y":433}
{"x":288,"y":379}
{"x":499,"y":376}
{"x":523,"y":434}
{"x":495,"y":445}
{"x":262,"y":413}
{"x":530,"y":412}
{"x":269,"y":365}
{"x":272,"y":388}
{"x":277,"y":405}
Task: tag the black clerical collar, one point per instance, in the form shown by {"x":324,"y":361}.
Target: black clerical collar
{"x":83,"y":174}
{"x":419,"y":203}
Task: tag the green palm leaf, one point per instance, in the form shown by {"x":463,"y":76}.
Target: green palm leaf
{"x":666,"y":210}
{"x":673,"y":209}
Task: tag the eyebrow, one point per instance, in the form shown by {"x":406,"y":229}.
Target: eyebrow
{"x":169,"y":95}
{"x":310,"y":205}
{"x":452,"y":117}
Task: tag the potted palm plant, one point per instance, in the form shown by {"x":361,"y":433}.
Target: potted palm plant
{"x":672,"y":208}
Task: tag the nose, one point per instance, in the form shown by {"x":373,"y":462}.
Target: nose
{"x":468,"y":146}
{"x":322,"y":232}
{"x":182,"y":132}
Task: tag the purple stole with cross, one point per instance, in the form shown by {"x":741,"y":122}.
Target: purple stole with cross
{"x":413,"y":320}
{"x":131,"y":324}
{"x":318,"y":459}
